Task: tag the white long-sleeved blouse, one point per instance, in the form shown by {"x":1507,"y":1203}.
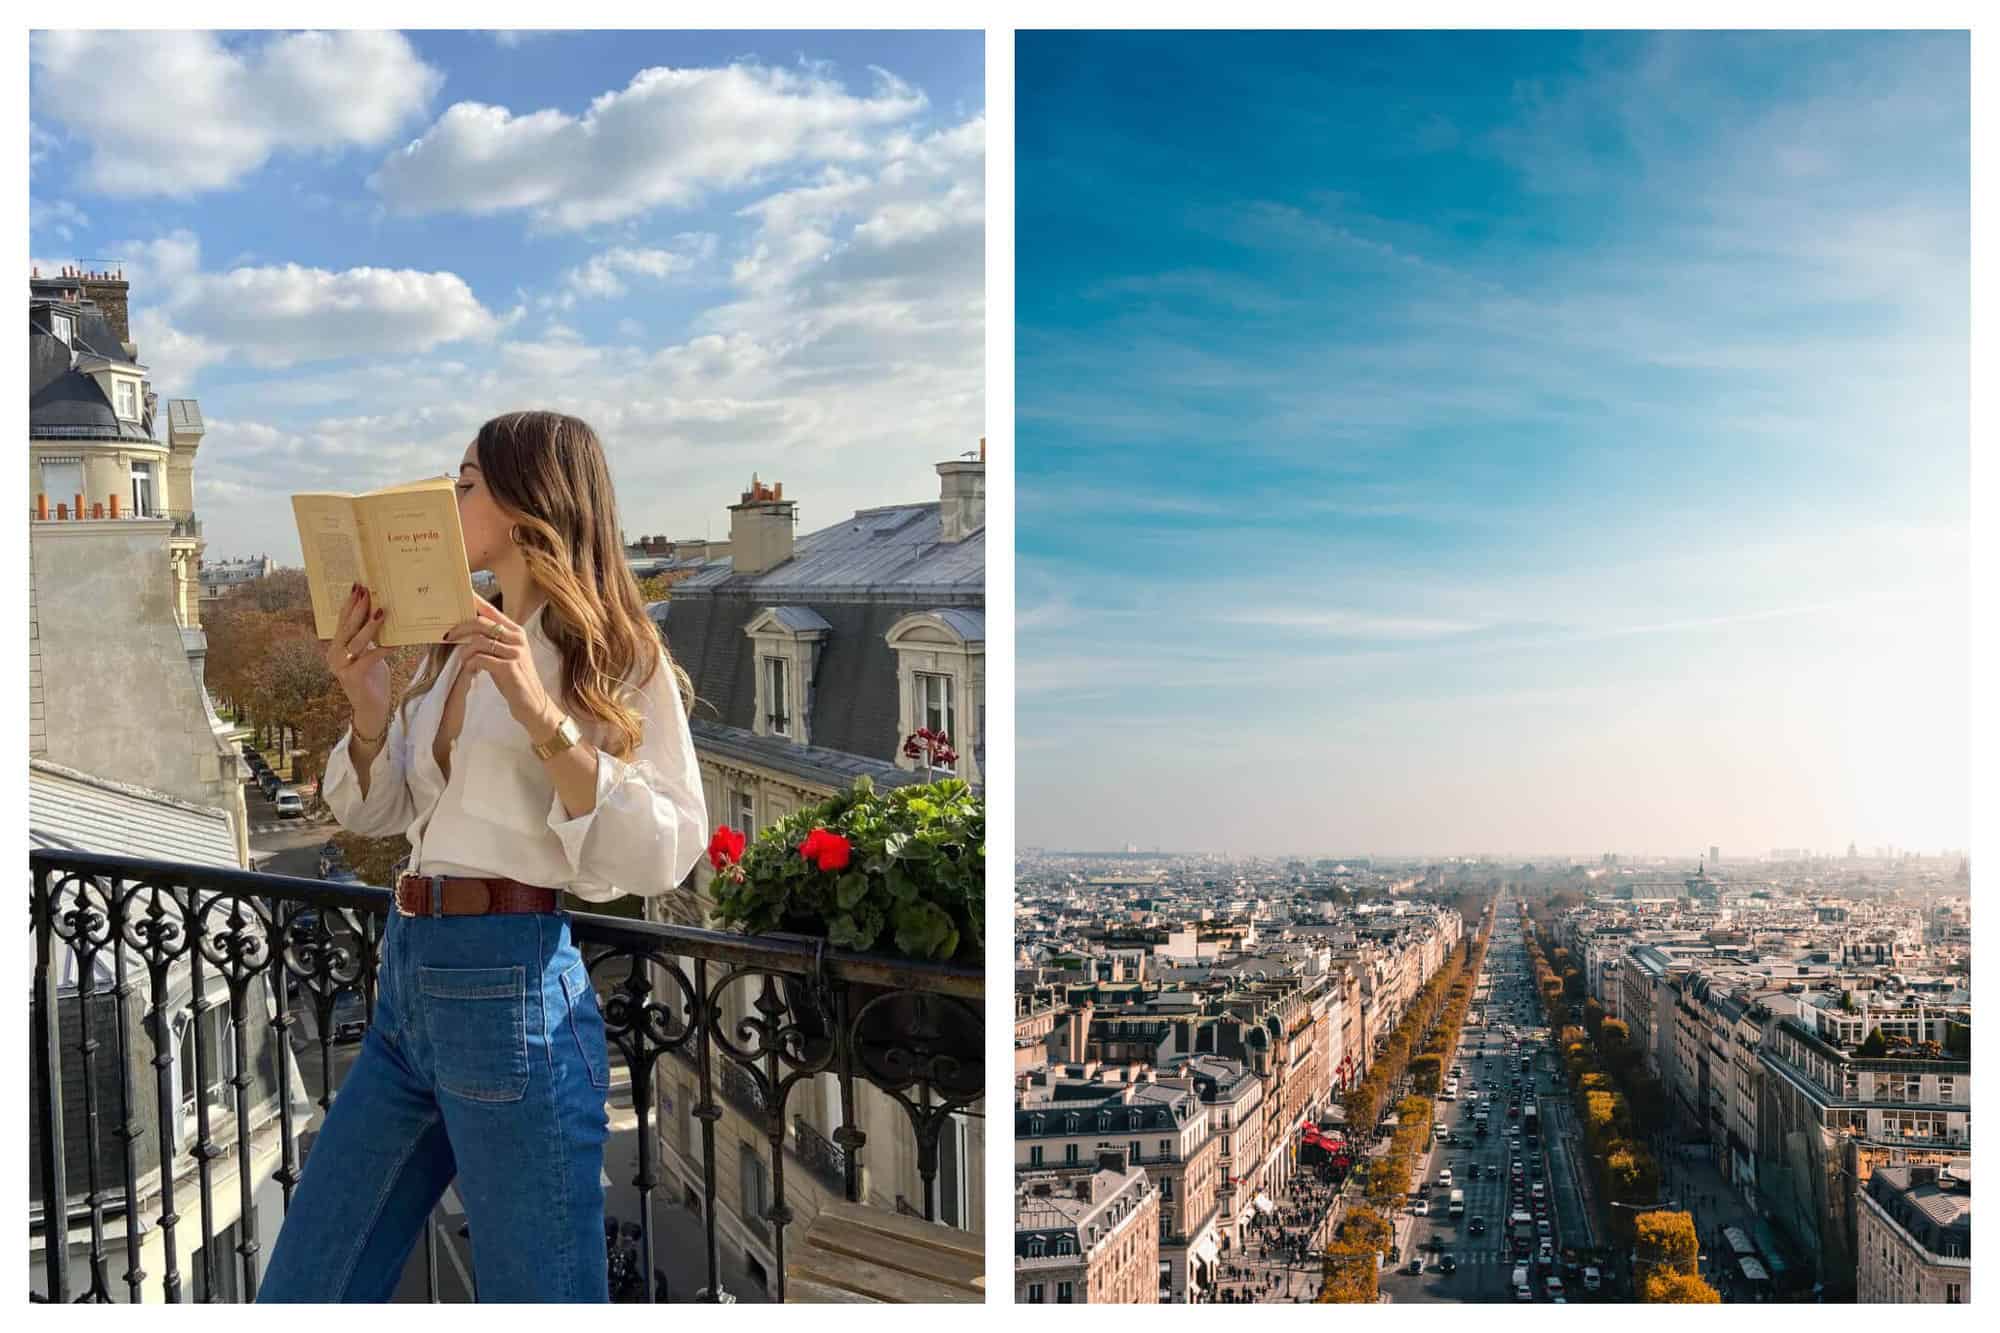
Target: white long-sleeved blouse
{"x":499,"y":812}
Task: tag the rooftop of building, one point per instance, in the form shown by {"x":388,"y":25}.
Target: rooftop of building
{"x":1933,"y":1204}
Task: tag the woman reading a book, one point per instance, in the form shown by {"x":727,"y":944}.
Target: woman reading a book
{"x":543,"y":746}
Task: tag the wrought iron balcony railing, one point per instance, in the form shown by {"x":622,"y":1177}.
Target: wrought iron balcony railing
{"x":820,"y":1155}
{"x":276,"y":944}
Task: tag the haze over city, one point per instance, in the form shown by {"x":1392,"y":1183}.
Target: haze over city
{"x":1505,"y":442}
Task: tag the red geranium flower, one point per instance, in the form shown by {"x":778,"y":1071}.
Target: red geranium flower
{"x":828,"y":851}
{"x":726,"y":847}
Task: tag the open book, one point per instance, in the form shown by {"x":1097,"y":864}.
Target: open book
{"x":403,"y":544}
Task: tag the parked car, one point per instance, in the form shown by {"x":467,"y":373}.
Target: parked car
{"x":1416,"y":1264}
{"x":268,"y":782}
{"x":289,"y":803}
{"x":1421,"y":1208}
{"x":1592,"y":1279}
{"x":350,"y":1016}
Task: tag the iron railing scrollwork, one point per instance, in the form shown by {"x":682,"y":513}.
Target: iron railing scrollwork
{"x":818,"y":1154}
{"x":754,"y":1016}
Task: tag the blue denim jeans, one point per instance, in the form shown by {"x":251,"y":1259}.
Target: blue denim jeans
{"x":485,"y":1064}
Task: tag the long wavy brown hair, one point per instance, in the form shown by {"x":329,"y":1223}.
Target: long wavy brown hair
{"x":546,"y":471}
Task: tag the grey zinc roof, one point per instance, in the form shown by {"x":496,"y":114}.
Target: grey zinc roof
{"x":850,"y":582}
{"x":969,"y":625}
{"x":185,"y":413}
{"x":835,"y":768}
{"x":59,"y":396}
{"x":800,"y":619}
{"x":893,"y":550}
{"x":67,"y":808}
{"x":95,"y":334}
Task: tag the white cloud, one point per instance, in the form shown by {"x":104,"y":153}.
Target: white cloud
{"x":514,"y":37}
{"x":40,"y":144}
{"x":276,"y":315}
{"x":1341,"y":623}
{"x":60,"y":217}
{"x":668,"y":139}
{"x":845,"y":363}
{"x":177,"y":113}
{"x":602,"y":276}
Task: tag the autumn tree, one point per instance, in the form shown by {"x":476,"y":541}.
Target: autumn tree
{"x":1613,"y":1041}
{"x":1630,"y":1173}
{"x":280,"y":591}
{"x":1664,"y":1241}
{"x":374,"y":859}
{"x":1351,"y":1274}
{"x":1677,"y":1289}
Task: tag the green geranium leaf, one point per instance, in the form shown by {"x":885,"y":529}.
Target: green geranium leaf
{"x":921,"y":928}
{"x":850,"y":890}
{"x":844,"y":932}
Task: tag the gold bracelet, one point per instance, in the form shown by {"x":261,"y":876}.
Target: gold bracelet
{"x":365,"y":739}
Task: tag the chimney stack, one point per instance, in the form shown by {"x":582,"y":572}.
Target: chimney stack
{"x":761,"y":528}
{"x":111,"y":294}
{"x":1077,"y":1022}
{"x":962,"y":496}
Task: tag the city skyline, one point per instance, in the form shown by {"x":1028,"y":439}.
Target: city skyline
{"x":1499,"y":440}
{"x":1861,"y":853}
{"x":728,"y":252}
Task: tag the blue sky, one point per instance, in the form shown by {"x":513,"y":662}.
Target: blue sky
{"x":729,"y":252}
{"x":1525,"y":443}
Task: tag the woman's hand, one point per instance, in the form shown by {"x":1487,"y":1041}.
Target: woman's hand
{"x":499,"y":647}
{"x":359,"y":664}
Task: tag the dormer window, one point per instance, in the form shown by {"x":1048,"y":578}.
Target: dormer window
{"x":125,"y":398}
{"x":63,"y":328}
{"x":788,"y":640}
{"x":941,"y":681}
{"x":777,"y":695}
{"x":934,"y":703}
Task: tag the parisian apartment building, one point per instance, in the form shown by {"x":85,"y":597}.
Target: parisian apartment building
{"x":815,"y":654}
{"x":127,"y":757}
{"x":1812,"y":1028}
{"x":1201,"y":1033}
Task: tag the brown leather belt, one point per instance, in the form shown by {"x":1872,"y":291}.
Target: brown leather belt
{"x":469,"y":895}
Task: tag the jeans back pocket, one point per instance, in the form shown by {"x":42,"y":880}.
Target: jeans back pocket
{"x":477,"y":1020}
{"x":586,"y":1025}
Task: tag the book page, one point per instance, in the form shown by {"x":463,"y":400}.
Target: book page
{"x":331,"y":542}
{"x":417,"y":549}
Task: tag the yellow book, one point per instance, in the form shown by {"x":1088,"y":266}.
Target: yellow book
{"x":402,"y":543}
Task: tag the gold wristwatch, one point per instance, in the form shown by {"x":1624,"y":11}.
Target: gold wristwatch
{"x":566,"y":736}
